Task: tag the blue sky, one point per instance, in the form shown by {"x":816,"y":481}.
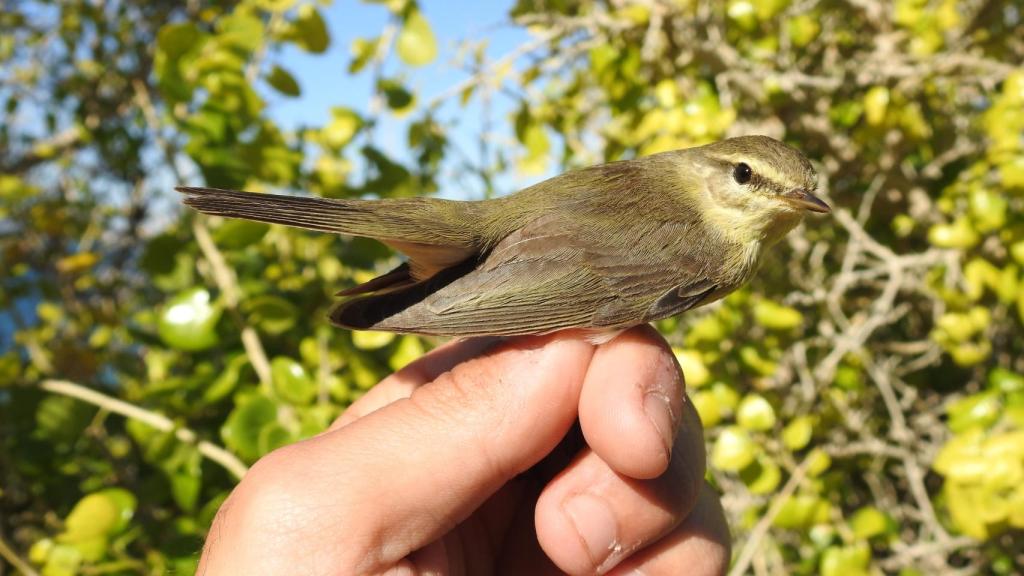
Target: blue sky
{"x":326,"y":82}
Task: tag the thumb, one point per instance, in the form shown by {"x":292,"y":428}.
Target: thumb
{"x":401,"y":477}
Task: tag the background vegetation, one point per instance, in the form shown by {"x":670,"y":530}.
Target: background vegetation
{"x":864,"y":398}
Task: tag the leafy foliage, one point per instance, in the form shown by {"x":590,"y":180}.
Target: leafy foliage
{"x":863,"y":399}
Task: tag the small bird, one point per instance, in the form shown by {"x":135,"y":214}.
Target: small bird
{"x":601,"y":249}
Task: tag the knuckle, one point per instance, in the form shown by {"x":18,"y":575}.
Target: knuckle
{"x":270,"y":497}
{"x":463,"y":397}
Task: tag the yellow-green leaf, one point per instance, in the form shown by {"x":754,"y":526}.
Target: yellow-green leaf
{"x":733,"y":450}
{"x":755,"y":413}
{"x":876,"y":102}
{"x":798,"y":432}
{"x":283,"y":82}
{"x":776,"y":316}
{"x":291,"y":381}
{"x":371,"y":339}
{"x":188,"y":321}
{"x":416,"y":45}
{"x":310,"y":31}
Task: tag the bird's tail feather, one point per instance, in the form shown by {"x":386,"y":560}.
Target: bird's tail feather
{"x":408,"y":222}
{"x":352,"y":217}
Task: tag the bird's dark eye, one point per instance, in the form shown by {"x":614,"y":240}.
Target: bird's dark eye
{"x":742,"y":173}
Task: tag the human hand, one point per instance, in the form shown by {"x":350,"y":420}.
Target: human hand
{"x":468,"y":461}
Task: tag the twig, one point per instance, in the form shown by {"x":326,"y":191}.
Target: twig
{"x":56,"y":144}
{"x":226,"y":459}
{"x":252,"y":69}
{"x":222,"y":274}
{"x":497,"y":64}
{"x":226,"y":281}
{"x":907,"y":556}
{"x":761,"y":528}
{"x":12,"y":558}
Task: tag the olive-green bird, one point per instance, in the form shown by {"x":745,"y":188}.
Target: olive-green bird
{"x":602,"y":249}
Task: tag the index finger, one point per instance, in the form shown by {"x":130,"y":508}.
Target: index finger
{"x":417,"y":373}
{"x":370,"y":493}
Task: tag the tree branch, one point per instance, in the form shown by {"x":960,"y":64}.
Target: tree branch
{"x":746,"y":555}
{"x":222,"y":274}
{"x":12,"y":558}
{"x":226,"y":459}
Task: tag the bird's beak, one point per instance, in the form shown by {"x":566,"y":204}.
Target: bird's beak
{"x":804,"y":199}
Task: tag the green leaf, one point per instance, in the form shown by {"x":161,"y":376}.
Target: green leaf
{"x":876,"y":103}
{"x":363,"y":51}
{"x":310,"y":31}
{"x":750,"y":356}
{"x":10,"y":368}
{"x":273,"y":436}
{"x":62,"y":419}
{"x":416,"y":44}
{"x":708,"y":408}
{"x":988,"y":209}
{"x":1005,"y":381}
{"x":242,"y":428}
{"x":291,"y":382}
{"x":393,"y":6}
{"x":977,"y":410}
{"x":409,"y":348}
{"x":959,"y":234}
{"x":849,"y":378}
{"x":271,"y":314}
{"x":343,"y":126}
{"x":798,"y":432}
{"x":103,"y":513}
{"x":237,"y":234}
{"x":227,"y":381}
{"x":188,"y":321}
{"x":1011,"y":173}
{"x":846,"y":561}
{"x":803,"y":29}
{"x":371,"y":339}
{"x":63,"y":560}
{"x":397,"y":97}
{"x":364,"y":370}
{"x":818,"y":461}
{"x":158,"y":257}
{"x":276,"y":5}
{"x":40,"y":550}
{"x":801,"y":512}
{"x":176,"y":39}
{"x":694,"y":369}
{"x":869,"y":522}
{"x":283,"y":81}
{"x":761,"y":476}
{"x":726,"y":396}
{"x":733,"y":450}
{"x":185,"y":487}
{"x":755,"y":413}
{"x":316,"y":419}
{"x":777,"y":317}
{"x":242,"y":31}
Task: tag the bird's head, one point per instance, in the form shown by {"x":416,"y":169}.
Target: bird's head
{"x":758,"y":183}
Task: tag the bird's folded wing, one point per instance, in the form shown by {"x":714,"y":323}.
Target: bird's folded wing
{"x":547,"y":276}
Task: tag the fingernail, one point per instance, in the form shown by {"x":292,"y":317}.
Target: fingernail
{"x":595,"y":524}
{"x":659,"y":412}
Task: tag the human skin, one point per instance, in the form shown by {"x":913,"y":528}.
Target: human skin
{"x":539,"y":455}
